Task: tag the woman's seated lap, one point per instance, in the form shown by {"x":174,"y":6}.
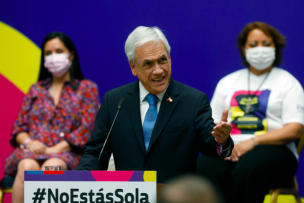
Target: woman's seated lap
{"x":56,"y":117}
{"x":265,"y":112}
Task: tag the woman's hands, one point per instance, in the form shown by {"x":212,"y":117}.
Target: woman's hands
{"x":52,"y":150}
{"x":240,"y":149}
{"x":59,"y":147}
{"x":39,"y":148}
{"x":36,"y":147}
{"x":282,"y":136}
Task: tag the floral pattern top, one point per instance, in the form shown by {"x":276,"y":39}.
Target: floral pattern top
{"x":72,"y":119}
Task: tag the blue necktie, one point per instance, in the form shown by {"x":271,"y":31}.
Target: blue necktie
{"x":150,"y":118}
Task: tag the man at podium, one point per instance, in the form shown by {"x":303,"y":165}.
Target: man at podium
{"x":162,"y":125}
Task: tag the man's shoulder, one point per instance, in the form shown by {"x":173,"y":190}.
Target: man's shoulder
{"x":130,"y":87}
{"x":187,"y":90}
{"x":183,"y":87}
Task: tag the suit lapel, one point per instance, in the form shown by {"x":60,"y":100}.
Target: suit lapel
{"x":165,"y":111}
{"x":134,"y":111}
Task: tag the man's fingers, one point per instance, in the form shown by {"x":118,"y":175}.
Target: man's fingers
{"x":225,"y":125}
{"x":221,"y":130}
{"x":225,"y":115}
{"x":216,"y":136}
{"x":218,"y":131}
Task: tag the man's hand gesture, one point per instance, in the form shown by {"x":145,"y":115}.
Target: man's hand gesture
{"x":223,"y":129}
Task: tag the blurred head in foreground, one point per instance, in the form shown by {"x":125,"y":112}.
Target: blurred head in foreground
{"x":188,"y":189}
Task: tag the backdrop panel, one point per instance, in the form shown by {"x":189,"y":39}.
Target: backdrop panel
{"x":202,"y":35}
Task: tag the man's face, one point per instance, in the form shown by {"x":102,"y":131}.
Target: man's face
{"x":153,"y":66}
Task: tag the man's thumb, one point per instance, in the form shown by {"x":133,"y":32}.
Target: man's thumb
{"x":225,"y":115}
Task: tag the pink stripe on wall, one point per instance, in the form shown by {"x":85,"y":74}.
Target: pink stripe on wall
{"x":10,"y":103}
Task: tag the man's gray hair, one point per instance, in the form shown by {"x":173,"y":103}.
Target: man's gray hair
{"x":142,"y":35}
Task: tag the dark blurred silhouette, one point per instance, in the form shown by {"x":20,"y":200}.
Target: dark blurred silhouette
{"x":188,"y":189}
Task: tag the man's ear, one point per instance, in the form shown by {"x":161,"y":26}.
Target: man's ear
{"x":133,"y":67}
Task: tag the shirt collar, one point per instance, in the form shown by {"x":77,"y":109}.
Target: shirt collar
{"x":143,"y":93}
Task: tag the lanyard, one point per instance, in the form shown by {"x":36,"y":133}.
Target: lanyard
{"x":248,"y":105}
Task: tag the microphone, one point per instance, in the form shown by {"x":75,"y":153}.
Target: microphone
{"x":120,"y":105}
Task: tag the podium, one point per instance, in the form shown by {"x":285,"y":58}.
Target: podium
{"x":90,"y":186}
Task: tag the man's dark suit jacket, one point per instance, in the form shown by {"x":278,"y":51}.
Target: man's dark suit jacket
{"x":183,"y":127}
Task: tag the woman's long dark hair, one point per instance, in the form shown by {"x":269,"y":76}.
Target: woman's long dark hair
{"x":75,"y":70}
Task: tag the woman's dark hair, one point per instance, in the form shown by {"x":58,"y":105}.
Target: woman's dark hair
{"x":277,"y":37}
{"x":75,"y":70}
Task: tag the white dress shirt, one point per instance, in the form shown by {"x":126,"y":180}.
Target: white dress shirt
{"x":144,"y":105}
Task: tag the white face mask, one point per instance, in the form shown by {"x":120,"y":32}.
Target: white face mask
{"x":57,"y":64}
{"x":260,"y":57}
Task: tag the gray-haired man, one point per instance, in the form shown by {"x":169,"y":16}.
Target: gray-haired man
{"x":163,"y":123}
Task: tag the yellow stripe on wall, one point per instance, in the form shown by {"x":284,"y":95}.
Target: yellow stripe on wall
{"x":19,"y":58}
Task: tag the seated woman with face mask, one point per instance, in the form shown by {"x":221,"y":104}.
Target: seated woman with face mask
{"x":266,"y":110}
{"x":56,"y":117}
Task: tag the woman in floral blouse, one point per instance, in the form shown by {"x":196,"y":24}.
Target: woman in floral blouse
{"x":56,"y":117}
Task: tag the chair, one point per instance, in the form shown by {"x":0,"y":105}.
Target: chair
{"x":6,"y":183}
{"x":6,"y":186}
{"x":289,"y":188}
